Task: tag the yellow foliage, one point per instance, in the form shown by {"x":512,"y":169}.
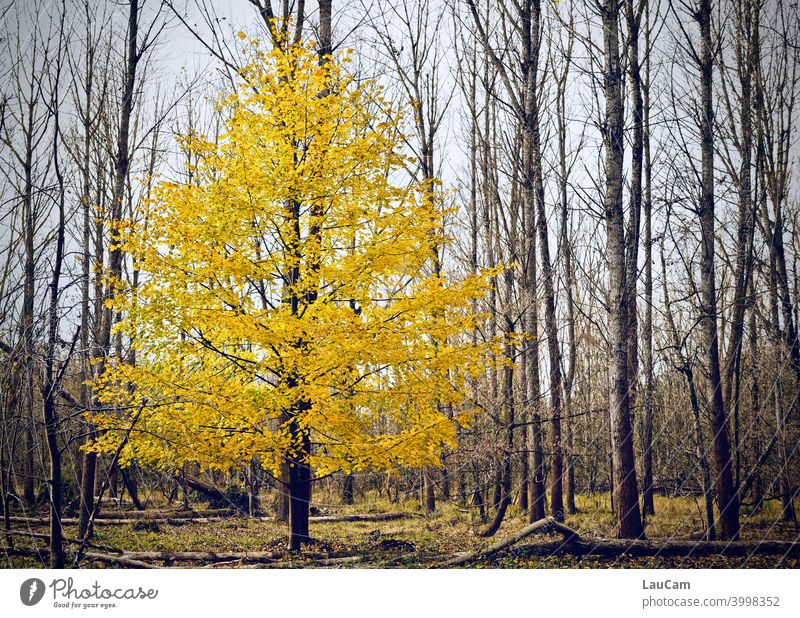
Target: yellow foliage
{"x":287,"y":291}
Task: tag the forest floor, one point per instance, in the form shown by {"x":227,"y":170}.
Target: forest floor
{"x":424,"y":542}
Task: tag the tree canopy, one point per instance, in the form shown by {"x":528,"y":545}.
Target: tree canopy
{"x":287,"y":290}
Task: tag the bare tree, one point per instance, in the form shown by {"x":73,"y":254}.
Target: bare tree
{"x":625,"y":494}
{"x":727,"y":500}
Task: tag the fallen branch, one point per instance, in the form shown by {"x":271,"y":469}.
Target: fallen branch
{"x":495,"y":524}
{"x":128,"y":516}
{"x":568,"y":533}
{"x":111,"y":518}
{"x":123,"y":560}
{"x":156,"y":514}
{"x":30,"y":521}
{"x":203,"y":556}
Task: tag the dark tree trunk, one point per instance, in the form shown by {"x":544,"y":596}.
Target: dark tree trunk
{"x":633,"y":17}
{"x":550,"y":319}
{"x":347,"y":489}
{"x":727,"y":499}
{"x":28,"y":290}
{"x":566,"y":249}
{"x":537,"y":497}
{"x":133,"y":490}
{"x":747,"y":58}
{"x":529,"y":17}
{"x":53,"y":373}
{"x":55,"y":484}
{"x":299,"y":485}
{"x":625,"y":492}
{"x":648,"y":502}
{"x":121,"y":167}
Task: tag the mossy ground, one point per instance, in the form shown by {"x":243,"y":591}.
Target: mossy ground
{"x":449,"y":530}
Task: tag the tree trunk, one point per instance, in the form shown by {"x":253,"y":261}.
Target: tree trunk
{"x":537,"y":498}
{"x":746,"y":60}
{"x":27,"y":323}
{"x":625,"y":492}
{"x":52,"y":374}
{"x":121,"y":167}
{"x":299,"y":488}
{"x":633,"y":19}
{"x":347,"y":489}
{"x":648,"y":502}
{"x":566,"y":250}
{"x":428,"y":491}
{"x":550,"y":319}
{"x":727,"y":499}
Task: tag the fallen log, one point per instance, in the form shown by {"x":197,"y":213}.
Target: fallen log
{"x":30,"y":521}
{"x":112,"y":518}
{"x":548,"y":523}
{"x":607,"y":548}
{"x":495,"y":524}
{"x":266,"y":559}
{"x":167,"y":514}
{"x":41,"y":555}
{"x":203,"y":556}
{"x":120,"y":560}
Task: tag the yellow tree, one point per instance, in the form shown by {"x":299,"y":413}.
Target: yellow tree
{"x":289,"y":310}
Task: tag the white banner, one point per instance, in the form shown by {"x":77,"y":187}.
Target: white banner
{"x":372,"y":593}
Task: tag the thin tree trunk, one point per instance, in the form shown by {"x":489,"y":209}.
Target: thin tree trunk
{"x":633,"y":17}
{"x":648,"y":502}
{"x":52,"y":374}
{"x":537,"y":498}
{"x":28,"y":290}
{"x":550,"y":319}
{"x":121,"y":167}
{"x":347,"y":489}
{"x":569,"y":271}
{"x":727,"y":499}
{"x":625,"y":491}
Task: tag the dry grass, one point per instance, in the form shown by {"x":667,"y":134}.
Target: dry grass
{"x":449,"y":530}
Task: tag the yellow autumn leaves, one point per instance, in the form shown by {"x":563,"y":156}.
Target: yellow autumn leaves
{"x":291,"y":280}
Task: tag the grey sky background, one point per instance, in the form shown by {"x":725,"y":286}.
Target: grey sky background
{"x":180,"y":71}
